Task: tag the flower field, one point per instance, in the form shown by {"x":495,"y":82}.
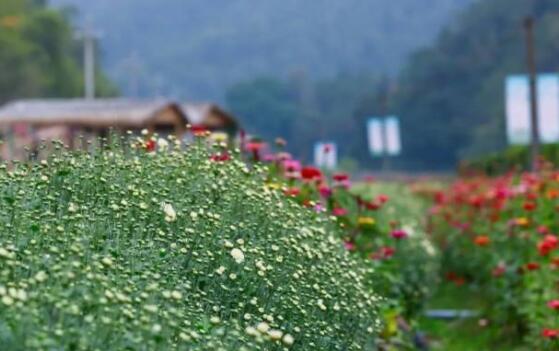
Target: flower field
{"x":138,"y":250}
{"x":150,"y":244}
{"x":498,"y":239}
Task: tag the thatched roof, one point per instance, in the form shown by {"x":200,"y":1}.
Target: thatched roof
{"x":98,"y":113}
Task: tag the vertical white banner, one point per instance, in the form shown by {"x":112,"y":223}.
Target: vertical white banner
{"x":392,"y":136}
{"x":548,"y":103}
{"x":518,"y":109}
{"x":326,"y":155}
{"x":375,"y":136}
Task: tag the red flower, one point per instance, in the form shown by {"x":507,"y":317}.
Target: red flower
{"x":220,"y":157}
{"x":372,"y":206}
{"x":499,"y":271}
{"x":292,"y":191}
{"x":325,"y":191}
{"x":532,"y":266}
{"x":254,"y":146}
{"x":553,"y":304}
{"x":198,"y":130}
{"x":387,"y":251}
{"x":482,"y":240}
{"x":529,"y":206}
{"x":311,"y":173}
{"x":548,"y":244}
{"x":459,"y":281}
{"x":340,"y":177}
{"x":383,"y":198}
{"x":550,"y":333}
{"x":150,"y":145}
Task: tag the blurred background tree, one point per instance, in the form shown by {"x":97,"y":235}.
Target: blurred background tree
{"x":451,"y":95}
{"x":39,"y":56}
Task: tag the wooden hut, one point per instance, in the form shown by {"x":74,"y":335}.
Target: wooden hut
{"x":210,"y":116}
{"x":25,"y":122}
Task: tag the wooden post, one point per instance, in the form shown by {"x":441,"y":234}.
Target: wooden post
{"x":531,"y":65}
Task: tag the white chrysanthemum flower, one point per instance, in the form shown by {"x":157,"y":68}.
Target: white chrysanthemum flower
{"x":177,"y":295}
{"x":170,"y":214}
{"x":288,"y":339}
{"x":275,"y":334}
{"x":162,"y":144}
{"x":238,"y":255}
{"x":72,"y":207}
{"x":251,"y":331}
{"x":429,"y":248}
{"x":156,"y":328}
{"x":263,"y":327}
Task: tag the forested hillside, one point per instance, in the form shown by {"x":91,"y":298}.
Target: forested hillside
{"x":39,"y":55}
{"x":451,"y":96}
{"x":197,"y":48}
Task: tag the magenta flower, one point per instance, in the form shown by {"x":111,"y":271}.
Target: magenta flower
{"x":399,"y":234}
{"x":349,"y":246}
{"x":325,"y":191}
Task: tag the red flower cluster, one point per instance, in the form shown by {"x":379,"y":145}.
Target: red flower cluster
{"x":199,"y":130}
{"x":550,"y":333}
{"x":150,"y":145}
{"x":311,"y":173}
{"x":220,"y":157}
{"x":548,"y":244}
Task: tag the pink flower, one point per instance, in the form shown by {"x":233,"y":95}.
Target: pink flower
{"x":382,"y":198}
{"x":349,"y":246}
{"x":325,"y":191}
{"x":292,"y":169}
{"x":553,"y":304}
{"x":399,"y":234}
{"x":269,"y":158}
{"x":339,"y":211}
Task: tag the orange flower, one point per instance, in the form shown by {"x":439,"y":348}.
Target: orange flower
{"x":482,"y":240}
{"x":552,"y":194}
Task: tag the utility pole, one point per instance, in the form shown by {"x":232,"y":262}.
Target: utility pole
{"x":383,"y":103}
{"x":531,"y":65}
{"x":89,"y":38}
{"x":89,"y":64}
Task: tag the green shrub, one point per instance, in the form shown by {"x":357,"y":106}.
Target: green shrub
{"x":512,"y":159}
{"x":170,"y":250}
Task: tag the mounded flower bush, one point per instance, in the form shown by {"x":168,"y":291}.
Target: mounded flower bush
{"x":135,"y":250}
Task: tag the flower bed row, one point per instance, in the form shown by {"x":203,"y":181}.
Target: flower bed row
{"x":499,"y":236}
{"x":380,"y":223}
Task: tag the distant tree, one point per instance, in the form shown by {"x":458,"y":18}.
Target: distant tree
{"x":304,"y":112}
{"x":451,"y":96}
{"x":266,"y":106}
{"x":39,"y":56}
